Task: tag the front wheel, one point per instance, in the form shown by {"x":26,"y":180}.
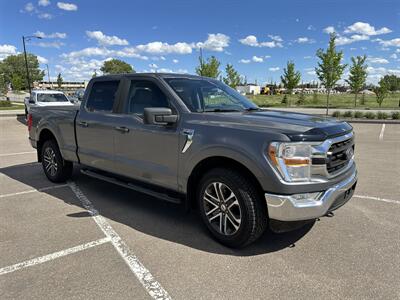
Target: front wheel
{"x":54,"y":166}
{"x":231,"y":208}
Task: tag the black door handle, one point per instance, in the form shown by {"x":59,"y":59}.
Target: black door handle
{"x":122,"y":129}
{"x":83,"y":124}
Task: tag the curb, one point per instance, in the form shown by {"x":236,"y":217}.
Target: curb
{"x":371,"y":121}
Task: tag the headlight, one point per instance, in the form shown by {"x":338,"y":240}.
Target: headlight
{"x":291,"y":160}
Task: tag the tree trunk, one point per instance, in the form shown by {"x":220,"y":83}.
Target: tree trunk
{"x":355,"y":99}
{"x":327,"y":102}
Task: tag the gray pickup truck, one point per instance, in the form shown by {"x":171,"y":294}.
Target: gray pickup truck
{"x":193,"y":140}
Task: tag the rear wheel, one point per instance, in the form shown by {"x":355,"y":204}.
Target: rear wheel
{"x":231,"y":208}
{"x":54,"y":166}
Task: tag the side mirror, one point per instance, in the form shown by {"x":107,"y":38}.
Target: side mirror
{"x":31,"y":101}
{"x":159,"y":116}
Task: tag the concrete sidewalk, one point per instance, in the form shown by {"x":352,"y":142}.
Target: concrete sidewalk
{"x":11,"y":112}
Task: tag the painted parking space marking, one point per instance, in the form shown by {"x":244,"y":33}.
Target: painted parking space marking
{"x":154,"y":288}
{"x":17,"y":153}
{"x":34,"y":190}
{"x":382,"y":132}
{"x":377,"y":199}
{"x":52,"y":256}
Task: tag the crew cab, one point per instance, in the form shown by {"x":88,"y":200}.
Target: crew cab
{"x":194,"y":140}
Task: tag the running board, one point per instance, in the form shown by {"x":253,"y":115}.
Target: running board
{"x":132,"y":186}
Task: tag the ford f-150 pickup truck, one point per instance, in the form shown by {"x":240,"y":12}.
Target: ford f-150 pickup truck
{"x":196,"y":141}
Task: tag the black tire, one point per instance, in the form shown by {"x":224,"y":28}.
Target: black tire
{"x":54,"y":166}
{"x":249,"y":206}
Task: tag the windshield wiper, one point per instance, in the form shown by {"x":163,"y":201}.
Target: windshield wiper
{"x":222,"y":110}
{"x":252,"y":109}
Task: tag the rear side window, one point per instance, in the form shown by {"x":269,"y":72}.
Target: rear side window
{"x":102,"y":96}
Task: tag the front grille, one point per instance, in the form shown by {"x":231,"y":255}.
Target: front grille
{"x":339,"y":155}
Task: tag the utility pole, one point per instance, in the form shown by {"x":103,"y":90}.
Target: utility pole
{"x":27,"y":38}
{"x":48,"y":76}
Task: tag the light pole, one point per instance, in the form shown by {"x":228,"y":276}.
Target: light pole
{"x":48,"y":76}
{"x":28,"y":38}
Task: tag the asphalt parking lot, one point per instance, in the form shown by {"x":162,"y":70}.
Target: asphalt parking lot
{"x":90,"y":239}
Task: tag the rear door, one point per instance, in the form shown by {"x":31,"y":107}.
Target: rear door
{"x":147,"y":152}
{"x":96,"y":123}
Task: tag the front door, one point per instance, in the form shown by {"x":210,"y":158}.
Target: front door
{"x":145,"y":152}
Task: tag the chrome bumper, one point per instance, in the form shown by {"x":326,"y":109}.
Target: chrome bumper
{"x":288,"y":208}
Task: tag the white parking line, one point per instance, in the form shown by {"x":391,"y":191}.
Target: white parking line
{"x":382,"y":131}
{"x":34,"y":190}
{"x":377,"y":199}
{"x":52,"y":256}
{"x":154,"y":288}
{"x":17,"y":153}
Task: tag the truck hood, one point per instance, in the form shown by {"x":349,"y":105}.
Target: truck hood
{"x":297,"y":126}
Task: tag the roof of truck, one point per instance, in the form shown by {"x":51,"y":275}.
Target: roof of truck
{"x":162,"y":75}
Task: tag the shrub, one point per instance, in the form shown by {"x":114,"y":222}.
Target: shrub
{"x":370,"y":115}
{"x":382,"y":115}
{"x":396,"y":115}
{"x":348,"y":114}
{"x":5,"y":103}
{"x":301,"y":98}
{"x":362,"y":102}
{"x":336,"y":114}
{"x":284,"y":99}
{"x":358,"y":114}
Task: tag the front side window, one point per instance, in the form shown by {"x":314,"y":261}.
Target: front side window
{"x":102,"y":96}
{"x":208,"y":95}
{"x":142,"y":94}
{"x":52,"y":98}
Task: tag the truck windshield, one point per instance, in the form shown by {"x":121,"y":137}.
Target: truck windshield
{"x":209,"y":95}
{"x":52,"y":98}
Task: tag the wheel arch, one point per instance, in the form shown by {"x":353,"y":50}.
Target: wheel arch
{"x":44,"y":135}
{"x":213,"y":162}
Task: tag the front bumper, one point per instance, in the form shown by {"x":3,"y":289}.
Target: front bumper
{"x":287,"y":208}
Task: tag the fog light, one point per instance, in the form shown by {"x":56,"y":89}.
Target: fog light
{"x":307,"y":199}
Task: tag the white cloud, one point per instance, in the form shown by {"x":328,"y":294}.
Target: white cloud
{"x":6,"y":50}
{"x":307,"y":57}
{"x":252,"y":41}
{"x":165,"y":48}
{"x":344,"y":40}
{"x":390,"y":43}
{"x":42,"y":60}
{"x":67,"y":6}
{"x":103,"y":52}
{"x":329,"y":29}
{"x":55,"y":44}
{"x":244,"y":61}
{"x":275,"y":38}
{"x":215,"y":42}
{"x":366,"y":29}
{"x":274,"y":69}
{"x":377,"y":60}
{"x":310,"y":27}
{"x":153,"y":66}
{"x":55,"y":35}
{"x":44,"y":2}
{"x":394,"y":56}
{"x":304,"y":40}
{"x":311,"y":72}
{"x":257,"y":59}
{"x":175,"y":61}
{"x":45,"y":16}
{"x":267,"y":56}
{"x":106,"y":40}
{"x":29,"y":7}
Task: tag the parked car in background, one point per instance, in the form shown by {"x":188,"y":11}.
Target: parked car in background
{"x":77,"y":97}
{"x":46,"y":98}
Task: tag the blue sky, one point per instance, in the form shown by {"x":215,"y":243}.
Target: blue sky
{"x":257,"y":37}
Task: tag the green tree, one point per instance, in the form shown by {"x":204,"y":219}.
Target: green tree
{"x":392,"y":83}
{"x":94,"y":74}
{"x":381,"y":92}
{"x":290,"y":78}
{"x":232,"y":76}
{"x":358,"y":75}
{"x":3,"y":85}
{"x":116,"y":66}
{"x":59,"y":80}
{"x":14,"y":70}
{"x":209,"y":68}
{"x":329,"y":69}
